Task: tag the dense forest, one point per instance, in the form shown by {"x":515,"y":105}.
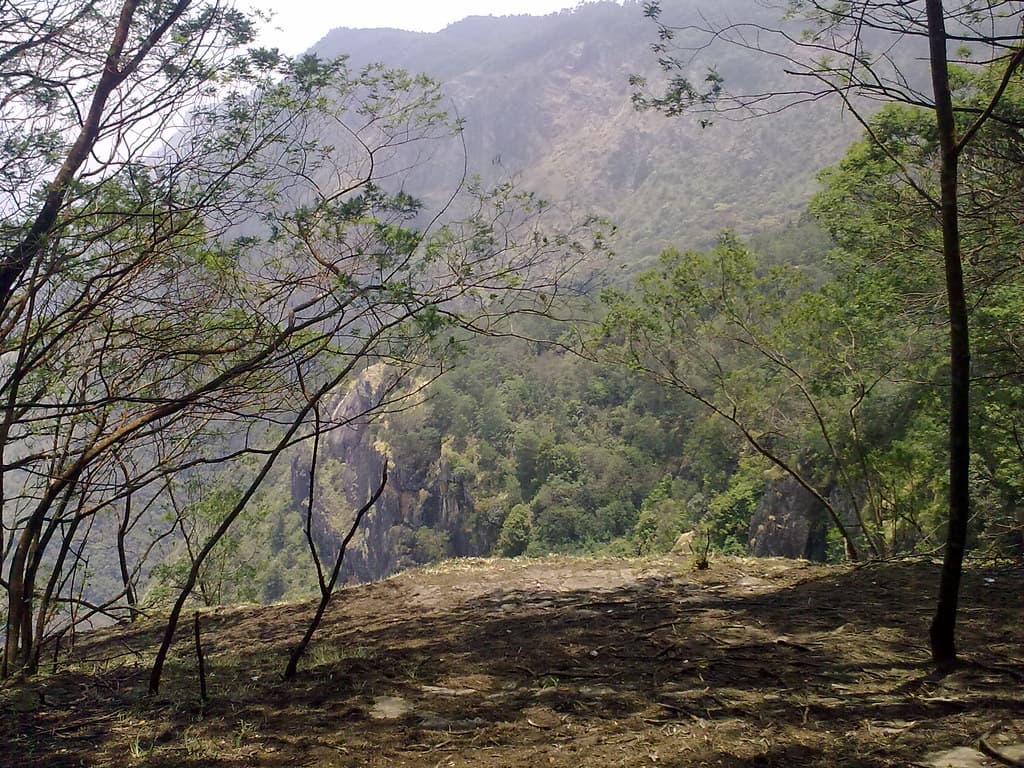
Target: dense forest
{"x":573,"y":296}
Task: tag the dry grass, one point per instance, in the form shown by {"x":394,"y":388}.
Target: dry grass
{"x":560,"y":662}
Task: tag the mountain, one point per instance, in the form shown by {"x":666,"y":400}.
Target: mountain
{"x":548,"y":100}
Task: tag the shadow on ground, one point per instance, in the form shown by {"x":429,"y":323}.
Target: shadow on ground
{"x":554,"y":662}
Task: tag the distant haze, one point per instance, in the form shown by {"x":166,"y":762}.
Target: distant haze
{"x":298,"y":24}
{"x":547,"y":100}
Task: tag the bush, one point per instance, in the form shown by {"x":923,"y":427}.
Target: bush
{"x":429,"y":545}
{"x":515,"y":532}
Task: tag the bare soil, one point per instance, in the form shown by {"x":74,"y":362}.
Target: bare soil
{"x":557,"y":662}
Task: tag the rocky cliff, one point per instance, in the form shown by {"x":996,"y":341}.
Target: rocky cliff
{"x":421,"y":515}
{"x":788,"y":522}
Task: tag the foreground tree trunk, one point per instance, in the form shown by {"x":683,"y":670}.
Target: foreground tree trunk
{"x":327,"y":588}
{"x":942,"y":632}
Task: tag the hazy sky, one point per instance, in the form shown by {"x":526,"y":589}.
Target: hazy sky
{"x":304,"y":22}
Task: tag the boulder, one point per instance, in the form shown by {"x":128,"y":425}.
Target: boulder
{"x":685,"y":544}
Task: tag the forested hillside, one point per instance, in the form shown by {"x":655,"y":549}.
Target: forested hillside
{"x":780,"y":394}
{"x":548,"y":100}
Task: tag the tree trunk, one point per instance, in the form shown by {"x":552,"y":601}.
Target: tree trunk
{"x":19,"y":608}
{"x":326,"y":590}
{"x":943,"y":627}
{"x":122,"y":558}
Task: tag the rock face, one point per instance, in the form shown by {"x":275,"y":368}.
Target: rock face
{"x":421,"y":503}
{"x":788,"y":522}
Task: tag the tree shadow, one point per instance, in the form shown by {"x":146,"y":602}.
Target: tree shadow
{"x":515,"y":667}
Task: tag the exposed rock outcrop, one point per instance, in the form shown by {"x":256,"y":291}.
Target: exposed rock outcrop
{"x":417,"y":499}
{"x":788,"y":522}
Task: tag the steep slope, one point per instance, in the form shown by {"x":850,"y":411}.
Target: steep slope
{"x":548,"y":99}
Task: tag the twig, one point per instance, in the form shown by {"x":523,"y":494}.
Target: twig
{"x":997,"y":669}
{"x":790,"y":644}
{"x":202,"y":663}
{"x":986,"y":746}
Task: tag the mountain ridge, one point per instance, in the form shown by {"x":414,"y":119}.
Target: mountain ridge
{"x":547,"y":100}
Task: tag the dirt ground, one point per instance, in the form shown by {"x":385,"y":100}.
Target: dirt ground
{"x":557,"y":662}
